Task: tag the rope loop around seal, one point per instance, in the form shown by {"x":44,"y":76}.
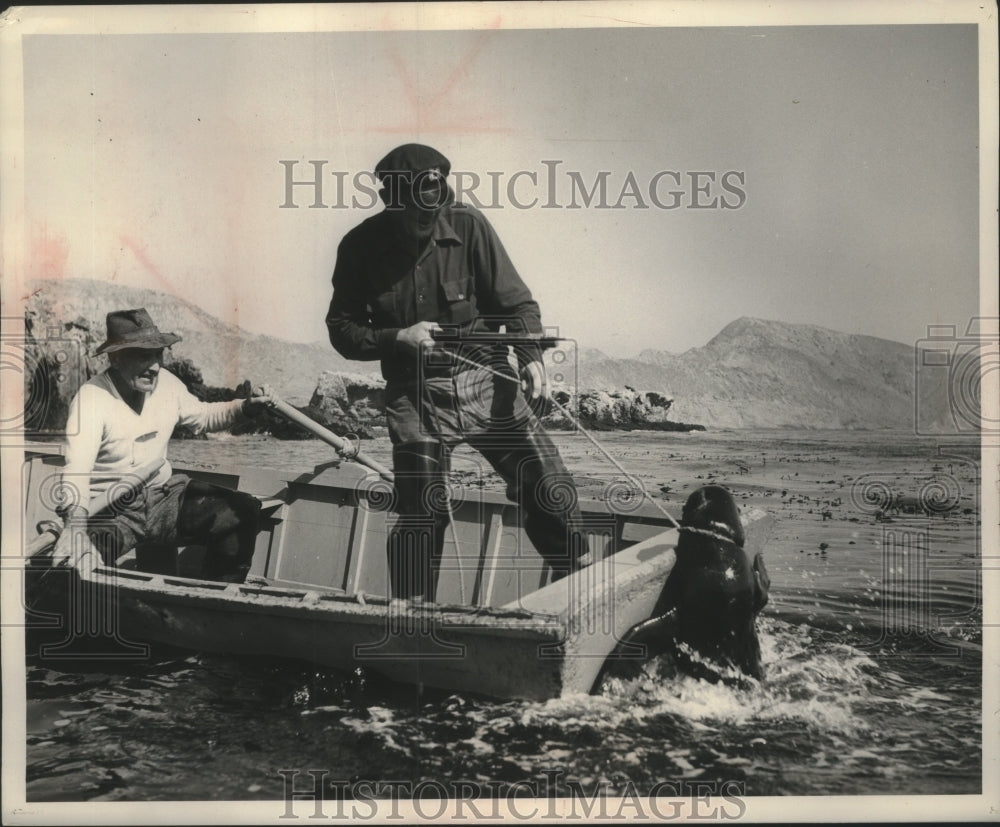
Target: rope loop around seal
{"x":707,"y":533}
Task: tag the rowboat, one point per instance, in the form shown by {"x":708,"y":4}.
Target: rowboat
{"x":317,"y":588}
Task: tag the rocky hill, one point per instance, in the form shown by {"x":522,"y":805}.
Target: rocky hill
{"x":754,"y":373}
{"x":759,"y":374}
{"x":225,"y":353}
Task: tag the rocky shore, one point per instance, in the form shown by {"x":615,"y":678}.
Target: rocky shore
{"x":619,"y":410}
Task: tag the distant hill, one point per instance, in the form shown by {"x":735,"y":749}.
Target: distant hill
{"x":752,"y":374}
{"x":756,"y":373}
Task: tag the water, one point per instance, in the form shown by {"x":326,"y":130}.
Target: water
{"x":872,"y":643}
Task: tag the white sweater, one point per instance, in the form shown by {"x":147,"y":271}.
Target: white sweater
{"x":107,"y":439}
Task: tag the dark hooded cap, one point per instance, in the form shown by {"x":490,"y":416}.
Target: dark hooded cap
{"x":134,"y":328}
{"x":414,"y":173}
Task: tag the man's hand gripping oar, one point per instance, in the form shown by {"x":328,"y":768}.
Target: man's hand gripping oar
{"x":343,"y":446}
{"x":264,"y":396}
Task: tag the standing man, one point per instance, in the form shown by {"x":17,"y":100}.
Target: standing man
{"x":123,"y":419}
{"x":426,"y":265}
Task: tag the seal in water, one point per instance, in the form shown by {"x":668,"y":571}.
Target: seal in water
{"x":705,"y":617}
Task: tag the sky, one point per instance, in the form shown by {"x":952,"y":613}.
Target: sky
{"x":823,"y":175}
{"x":145,"y":147}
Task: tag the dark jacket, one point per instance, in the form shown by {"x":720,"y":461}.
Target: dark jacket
{"x":463,"y":280}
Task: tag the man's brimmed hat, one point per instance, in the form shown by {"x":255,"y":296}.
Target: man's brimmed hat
{"x":134,"y":328}
{"x":414,"y":174}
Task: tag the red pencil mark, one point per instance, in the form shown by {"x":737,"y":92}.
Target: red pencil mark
{"x":144,"y":260}
{"x":48,"y":255}
{"x":428,"y":104}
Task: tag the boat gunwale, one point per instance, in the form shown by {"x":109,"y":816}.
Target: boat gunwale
{"x":316,"y":601}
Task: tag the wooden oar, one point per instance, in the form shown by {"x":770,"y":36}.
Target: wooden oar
{"x":128,"y":485}
{"x":342,"y":446}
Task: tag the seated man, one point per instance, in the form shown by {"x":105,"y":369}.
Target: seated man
{"x":121,"y":420}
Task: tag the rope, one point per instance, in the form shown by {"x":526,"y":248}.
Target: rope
{"x":637,"y":483}
{"x":351,"y":450}
{"x":633,"y":480}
